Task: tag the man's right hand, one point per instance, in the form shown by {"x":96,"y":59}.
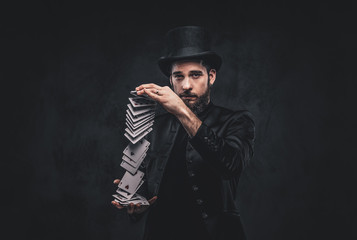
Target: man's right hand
{"x":133,"y":208}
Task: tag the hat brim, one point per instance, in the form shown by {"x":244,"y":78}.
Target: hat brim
{"x":213,"y":59}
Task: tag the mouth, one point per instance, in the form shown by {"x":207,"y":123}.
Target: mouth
{"x":189,"y":98}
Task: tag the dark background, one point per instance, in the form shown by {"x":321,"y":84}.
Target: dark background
{"x":67,"y":72}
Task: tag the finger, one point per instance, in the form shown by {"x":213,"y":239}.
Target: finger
{"x":116,"y":181}
{"x":137,"y":207}
{"x":154,"y":89}
{"x":147,"y":85}
{"x":152,"y":200}
{"x":151,"y":94}
{"x":117,"y":205}
{"x":130,"y":208}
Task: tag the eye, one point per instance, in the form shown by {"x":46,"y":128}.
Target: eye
{"x":196,"y":75}
{"x":178,"y":77}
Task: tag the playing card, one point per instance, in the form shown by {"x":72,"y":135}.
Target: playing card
{"x":141,"y":183}
{"x":139,"y":111}
{"x":131,"y":166}
{"x":136,"y":132}
{"x":123,"y":202}
{"x":135,"y":199}
{"x":135,"y":119}
{"x":138,"y":128}
{"x":130,"y":182}
{"x":124,"y":195}
{"x":134,"y":93}
{"x":142,"y":124}
{"x":132,"y":162}
{"x":120,"y":199}
{"x":128,"y":167}
{"x":139,"y":123}
{"x":141,"y":102}
{"x":135,"y":151}
{"x":129,"y":160}
{"x":136,"y":196}
{"x":139,"y":137}
{"x":141,"y":201}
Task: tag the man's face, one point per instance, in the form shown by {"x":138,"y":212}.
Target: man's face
{"x":191,"y":83}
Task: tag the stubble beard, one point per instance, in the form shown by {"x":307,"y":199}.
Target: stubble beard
{"x":201,"y":103}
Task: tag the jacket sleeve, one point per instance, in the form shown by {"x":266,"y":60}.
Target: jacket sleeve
{"x":230,"y":150}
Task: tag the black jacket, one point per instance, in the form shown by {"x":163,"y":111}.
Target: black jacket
{"x":215,"y":158}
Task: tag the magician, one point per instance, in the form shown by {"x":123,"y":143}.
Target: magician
{"x":197,"y":150}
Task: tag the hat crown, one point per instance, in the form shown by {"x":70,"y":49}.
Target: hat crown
{"x":188,"y":43}
{"x":187,"y":39}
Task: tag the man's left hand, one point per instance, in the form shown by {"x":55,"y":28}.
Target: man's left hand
{"x":165,"y":96}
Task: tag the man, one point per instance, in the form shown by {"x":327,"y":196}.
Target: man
{"x":197,"y":151}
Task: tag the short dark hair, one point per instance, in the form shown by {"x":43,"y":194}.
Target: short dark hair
{"x":203,"y":62}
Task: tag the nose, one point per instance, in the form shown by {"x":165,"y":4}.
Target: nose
{"x":186,"y":85}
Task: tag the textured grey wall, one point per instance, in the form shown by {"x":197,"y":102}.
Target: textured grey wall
{"x":72,"y":67}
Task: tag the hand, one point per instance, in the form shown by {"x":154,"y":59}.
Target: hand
{"x":165,"y":96}
{"x":133,"y":208}
{"x":173,"y":104}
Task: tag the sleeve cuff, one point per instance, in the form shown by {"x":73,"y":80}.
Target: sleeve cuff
{"x":201,"y":139}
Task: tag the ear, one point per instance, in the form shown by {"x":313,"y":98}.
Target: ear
{"x":212,"y":76}
{"x":171,"y":81}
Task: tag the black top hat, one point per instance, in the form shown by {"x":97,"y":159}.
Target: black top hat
{"x":185,"y":43}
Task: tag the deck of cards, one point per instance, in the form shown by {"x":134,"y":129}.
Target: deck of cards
{"x":139,"y":120}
